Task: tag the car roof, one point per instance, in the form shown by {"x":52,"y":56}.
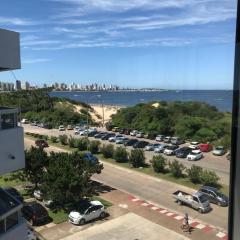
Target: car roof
{"x":209,"y":188}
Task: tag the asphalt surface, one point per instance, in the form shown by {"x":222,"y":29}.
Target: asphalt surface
{"x":218,"y":164}
{"x":152,"y":189}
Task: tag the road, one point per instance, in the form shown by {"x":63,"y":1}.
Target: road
{"x":152,"y":189}
{"x":218,"y":164}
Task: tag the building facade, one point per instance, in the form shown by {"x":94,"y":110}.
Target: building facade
{"x":12,"y":225}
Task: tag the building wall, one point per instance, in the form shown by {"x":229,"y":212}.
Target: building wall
{"x":12,"y":144}
{"x":10,"y":50}
{"x":18,"y":232}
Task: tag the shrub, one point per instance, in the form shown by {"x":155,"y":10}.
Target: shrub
{"x":194,"y":174}
{"x":72,"y":142}
{"x":63,"y":139}
{"x":45,"y":137}
{"x":120,"y":155}
{"x":176,"y":169}
{"x":107,"y":150}
{"x":159,"y":163}
{"x":209,"y":178}
{"x":94,"y":147}
{"x":82,"y":144}
{"x":53,"y":139}
{"x":137,"y":158}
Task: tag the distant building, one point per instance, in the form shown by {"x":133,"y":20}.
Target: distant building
{"x":44,"y":85}
{"x":25,"y":85}
{"x":18,"y":85}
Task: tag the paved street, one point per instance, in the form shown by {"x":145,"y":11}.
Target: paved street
{"x":219,"y":164}
{"x":152,"y":189}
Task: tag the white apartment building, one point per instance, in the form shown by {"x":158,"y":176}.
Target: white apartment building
{"x":12,"y":225}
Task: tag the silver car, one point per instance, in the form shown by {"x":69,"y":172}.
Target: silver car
{"x":219,"y":151}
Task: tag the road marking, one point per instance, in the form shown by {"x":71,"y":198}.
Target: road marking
{"x":123,"y":205}
{"x":154,"y":208}
{"x":169,"y":214}
{"x":200,"y":226}
{"x":163,"y":211}
{"x":144,"y":204}
{"x":178,"y":217}
{"x":221,"y":235}
{"x":135,"y":199}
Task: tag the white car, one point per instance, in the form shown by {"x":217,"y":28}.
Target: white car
{"x":140,"y":135}
{"x":170,"y":150}
{"x":159,"y":138}
{"x":87,"y":211}
{"x":24,"y":121}
{"x":194,"y":145}
{"x":194,"y":155}
{"x":61,"y":128}
{"x":121,"y":140}
{"x":38,"y":194}
{"x":113,"y":139}
{"x":134,"y":133}
{"x":151,"y":147}
{"x":160,"y":148}
{"x":31,"y":235}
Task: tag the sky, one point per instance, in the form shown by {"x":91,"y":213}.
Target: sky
{"x":169,"y":44}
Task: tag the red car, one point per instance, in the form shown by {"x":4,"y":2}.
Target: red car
{"x":41,"y":143}
{"x":205,"y":147}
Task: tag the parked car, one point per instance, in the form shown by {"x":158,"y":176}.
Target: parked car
{"x":183,"y":152}
{"x":160,"y":148}
{"x":219,"y":151}
{"x":61,"y":128}
{"x":134,"y":133}
{"x":130,"y":142}
{"x":113,"y":139}
{"x":214,"y":196}
{"x":151,"y":146}
{"x":196,"y":201}
{"x":194,"y":155}
{"x":47,"y":126}
{"x":167,"y":139}
{"x":47,"y":202}
{"x":115,"y":129}
{"x":41,"y":143}
{"x":69,"y":127}
{"x":41,"y":125}
{"x":126,"y":131}
{"x":38,"y":194}
{"x":25,"y":121}
{"x":100,"y":134}
{"x":159,"y":138}
{"x":177,"y":141}
{"x":194,"y":145}
{"x":35,"y":213}
{"x":86,"y":212}
{"x":121,"y":140}
{"x":90,"y":157}
{"x":107,"y":136}
{"x":140,"y":135}
{"x":140,"y":144}
{"x":34,"y":123}
{"x":170,"y":150}
{"x":205,"y":147}
{"x":14,"y":193}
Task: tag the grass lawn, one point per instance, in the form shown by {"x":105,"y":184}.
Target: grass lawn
{"x":11,"y":180}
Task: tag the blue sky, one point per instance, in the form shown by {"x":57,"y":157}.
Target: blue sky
{"x":171,"y":44}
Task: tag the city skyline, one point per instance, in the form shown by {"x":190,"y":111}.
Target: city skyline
{"x":133,"y":43}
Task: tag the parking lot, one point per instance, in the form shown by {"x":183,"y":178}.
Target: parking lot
{"x":219,"y":164}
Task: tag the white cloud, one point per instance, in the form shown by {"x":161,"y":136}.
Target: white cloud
{"x":36,"y":60}
{"x":16,"y":21}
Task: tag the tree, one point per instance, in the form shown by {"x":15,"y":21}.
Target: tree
{"x":67,"y":179}
{"x":82,"y":144}
{"x":195,"y":173}
{"x":53,"y":139}
{"x":94,"y":147}
{"x":137,"y":158}
{"x":209,"y":178}
{"x":176,"y":169}
{"x":72,"y":142}
{"x":159,"y":163}
{"x":107,"y":150}
{"x":120,"y":155}
{"x":63,"y":139}
{"x":36,"y":160}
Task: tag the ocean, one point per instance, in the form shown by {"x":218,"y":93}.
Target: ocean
{"x":222,"y":99}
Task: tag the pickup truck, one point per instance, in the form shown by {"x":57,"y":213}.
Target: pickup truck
{"x":196,"y":201}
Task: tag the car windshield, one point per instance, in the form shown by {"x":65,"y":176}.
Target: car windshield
{"x":203,"y":199}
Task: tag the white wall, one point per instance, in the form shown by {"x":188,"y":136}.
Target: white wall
{"x":9,"y":50}
{"x":11,"y":144}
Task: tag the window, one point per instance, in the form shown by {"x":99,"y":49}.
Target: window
{"x":2,"y":227}
{"x":8,"y":121}
{"x":12,"y":220}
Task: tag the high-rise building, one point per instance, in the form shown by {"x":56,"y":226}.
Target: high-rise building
{"x":25,"y":85}
{"x":12,"y":225}
{"x":18,"y":85}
